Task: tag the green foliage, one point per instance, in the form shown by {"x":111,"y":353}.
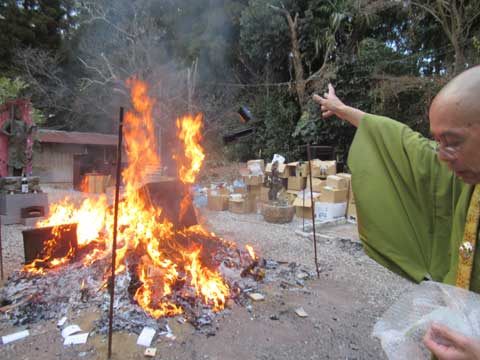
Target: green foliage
{"x":264,"y":36}
{"x":11,"y":89}
{"x":38,"y":117}
{"x":277,"y":113}
{"x":35,"y":23}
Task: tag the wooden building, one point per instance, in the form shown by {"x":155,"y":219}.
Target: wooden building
{"x":64,"y":157}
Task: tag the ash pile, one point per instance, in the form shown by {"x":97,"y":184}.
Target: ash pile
{"x":66,"y":290}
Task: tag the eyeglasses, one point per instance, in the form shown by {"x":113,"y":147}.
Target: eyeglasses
{"x":447,"y":152}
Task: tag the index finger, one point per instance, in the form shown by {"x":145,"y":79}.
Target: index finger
{"x":331,"y":90}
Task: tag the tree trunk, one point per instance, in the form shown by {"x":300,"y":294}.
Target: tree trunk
{"x":296,"y":54}
{"x":459,"y":64}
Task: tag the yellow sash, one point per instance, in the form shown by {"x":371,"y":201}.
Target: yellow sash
{"x":466,"y":252}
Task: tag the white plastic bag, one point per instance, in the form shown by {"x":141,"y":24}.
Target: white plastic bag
{"x":402,"y":327}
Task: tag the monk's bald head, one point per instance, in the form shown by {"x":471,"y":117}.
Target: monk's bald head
{"x":459,"y":100}
{"x":455,"y":124}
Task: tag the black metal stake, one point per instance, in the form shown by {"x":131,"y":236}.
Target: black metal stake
{"x":309,"y":156}
{"x":1,"y":251}
{"x":115,"y":225}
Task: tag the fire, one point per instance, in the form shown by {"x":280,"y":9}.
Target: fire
{"x":38,"y":266}
{"x":189,"y":132}
{"x":250,"y":251}
{"x":170,"y":258}
{"x":84,"y":184}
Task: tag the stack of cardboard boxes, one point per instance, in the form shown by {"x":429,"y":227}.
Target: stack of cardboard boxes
{"x":244,"y":195}
{"x":331,"y":191}
{"x":332,"y":194}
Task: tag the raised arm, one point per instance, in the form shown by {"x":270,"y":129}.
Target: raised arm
{"x":332,"y":105}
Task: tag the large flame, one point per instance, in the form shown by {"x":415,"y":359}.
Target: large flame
{"x":189,"y":132}
{"x":165,"y":263}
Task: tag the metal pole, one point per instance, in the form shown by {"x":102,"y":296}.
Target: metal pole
{"x":309,"y":156}
{"x":115,"y":225}
{"x":1,"y":252}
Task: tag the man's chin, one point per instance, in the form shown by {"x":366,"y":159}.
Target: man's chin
{"x":469,"y":177}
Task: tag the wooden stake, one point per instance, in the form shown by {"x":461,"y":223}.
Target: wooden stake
{"x":309,"y":156}
{"x":115,"y":225}
{"x":1,"y":251}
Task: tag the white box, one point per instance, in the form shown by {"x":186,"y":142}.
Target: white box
{"x":329,"y":211}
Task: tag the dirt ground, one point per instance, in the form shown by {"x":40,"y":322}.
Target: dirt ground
{"x":342,"y":305}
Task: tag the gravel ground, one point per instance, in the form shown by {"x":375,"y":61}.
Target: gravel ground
{"x":343,"y":304}
{"x":340,"y":259}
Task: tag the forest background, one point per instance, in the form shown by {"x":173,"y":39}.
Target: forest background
{"x":72,"y":59}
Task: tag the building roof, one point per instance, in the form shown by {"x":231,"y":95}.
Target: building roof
{"x":75,"y":137}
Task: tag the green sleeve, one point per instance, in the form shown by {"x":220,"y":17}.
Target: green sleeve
{"x":405,"y":198}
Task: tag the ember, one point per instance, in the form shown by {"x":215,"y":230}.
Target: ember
{"x":169,"y":268}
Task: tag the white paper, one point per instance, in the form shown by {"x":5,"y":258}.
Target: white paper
{"x":62,"y":321}
{"x":278,"y":158}
{"x":76,"y":339}
{"x":15,"y":336}
{"x":146,"y":336}
{"x":69,"y":330}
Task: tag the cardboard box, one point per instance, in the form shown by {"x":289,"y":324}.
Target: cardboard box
{"x":352,"y":211}
{"x":253,"y":179}
{"x":240,"y":190}
{"x":347,"y":177}
{"x":321,"y":169}
{"x":263,"y":194}
{"x":317,"y":184}
{"x":291,"y":195}
{"x":337,"y":182}
{"x":296,"y":183}
{"x":330,"y":211}
{"x":298,"y":168}
{"x":253,"y":191}
{"x":241,"y":206}
{"x":282,"y":170}
{"x":303,"y":207}
{"x":218,"y":191}
{"x":330,"y":195}
{"x":217,"y":202}
{"x":251,"y":164}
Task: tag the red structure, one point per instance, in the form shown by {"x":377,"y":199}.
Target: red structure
{"x":5,"y":113}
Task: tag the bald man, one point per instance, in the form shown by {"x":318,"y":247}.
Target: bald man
{"x":417,"y":199}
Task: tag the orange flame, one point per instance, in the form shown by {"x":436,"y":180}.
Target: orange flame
{"x":189,"y":132}
{"x":140,"y":228}
{"x":84,"y":184}
{"x":251,"y":252}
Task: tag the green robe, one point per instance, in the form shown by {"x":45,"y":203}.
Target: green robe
{"x":411,"y":208}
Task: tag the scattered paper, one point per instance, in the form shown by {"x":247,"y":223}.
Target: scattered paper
{"x":62,"y":321}
{"x":256,"y":296}
{"x":146,"y":336}
{"x":150,"y":352}
{"x":15,"y":336}
{"x":76,"y":339}
{"x":70,"y":330}
{"x":301,"y":312}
